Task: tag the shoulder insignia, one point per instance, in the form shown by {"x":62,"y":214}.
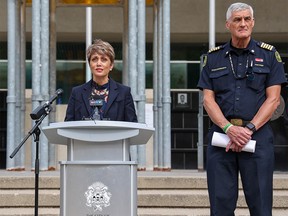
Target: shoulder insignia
{"x":214,"y":49}
{"x":266,"y":46}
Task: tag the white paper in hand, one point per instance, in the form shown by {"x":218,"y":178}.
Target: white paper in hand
{"x":222,"y":140}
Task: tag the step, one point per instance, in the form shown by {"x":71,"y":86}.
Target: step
{"x":192,"y":180}
{"x":146,"y":198}
{"x":194,"y":198}
{"x":26,"y":197}
{"x":147,"y":179}
{"x":141,"y":212}
{"x":175,"y":182}
{"x":30,"y":211}
{"x":45,"y":182}
{"x":197,"y":212}
{"x":176,"y":193}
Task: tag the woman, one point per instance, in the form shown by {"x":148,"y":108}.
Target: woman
{"x":101,"y":98}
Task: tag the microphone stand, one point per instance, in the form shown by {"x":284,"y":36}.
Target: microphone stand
{"x":34,"y":131}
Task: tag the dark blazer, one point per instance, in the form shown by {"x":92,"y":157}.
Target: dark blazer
{"x":120,"y":105}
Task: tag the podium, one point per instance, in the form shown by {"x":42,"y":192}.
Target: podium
{"x":98,"y":177}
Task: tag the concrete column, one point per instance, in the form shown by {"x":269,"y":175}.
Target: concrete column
{"x":19,"y":163}
{"x":88,"y":39}
{"x":11,"y":94}
{"x":166,"y":98}
{"x":44,"y":88}
{"x":52,"y":78}
{"x":141,"y":75}
{"x":23,"y":76}
{"x":132,"y":58}
{"x":36,"y":65}
{"x":155,"y":84}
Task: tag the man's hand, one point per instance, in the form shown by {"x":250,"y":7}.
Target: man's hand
{"x":239,"y":137}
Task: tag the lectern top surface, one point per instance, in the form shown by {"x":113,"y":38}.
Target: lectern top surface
{"x":96,"y":123}
{"x":98,"y":131}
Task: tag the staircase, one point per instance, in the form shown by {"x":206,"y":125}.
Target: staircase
{"x":185,"y":193}
{"x":175,"y":193}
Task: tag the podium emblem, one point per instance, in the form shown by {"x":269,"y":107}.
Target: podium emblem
{"x":98,"y":196}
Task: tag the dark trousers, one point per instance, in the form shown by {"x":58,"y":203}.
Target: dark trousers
{"x":256,"y":171}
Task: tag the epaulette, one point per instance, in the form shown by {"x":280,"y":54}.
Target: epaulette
{"x":265,"y":46}
{"x":215,"y":49}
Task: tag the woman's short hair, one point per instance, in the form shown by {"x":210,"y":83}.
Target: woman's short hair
{"x":238,"y":7}
{"x":102,"y":48}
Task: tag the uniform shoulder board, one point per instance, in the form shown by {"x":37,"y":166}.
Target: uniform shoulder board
{"x":215,"y":49}
{"x":266,"y":46}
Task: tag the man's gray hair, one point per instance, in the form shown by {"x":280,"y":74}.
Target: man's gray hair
{"x":238,"y":7}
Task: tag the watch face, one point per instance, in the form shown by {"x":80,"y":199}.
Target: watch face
{"x":251,"y":126}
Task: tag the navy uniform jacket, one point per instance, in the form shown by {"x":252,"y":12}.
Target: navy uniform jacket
{"x":240,"y":95}
{"x":120,"y":105}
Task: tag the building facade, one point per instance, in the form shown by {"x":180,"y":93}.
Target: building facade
{"x":189,"y":40}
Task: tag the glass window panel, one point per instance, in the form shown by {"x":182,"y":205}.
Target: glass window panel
{"x":177,"y":160}
{"x":3,"y":74}
{"x":178,"y":76}
{"x":69,"y":75}
{"x":183,"y":140}
{"x":190,"y":120}
{"x":176,"y":120}
{"x":191,"y":160}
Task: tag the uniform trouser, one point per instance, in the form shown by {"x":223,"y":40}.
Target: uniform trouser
{"x":256,"y":171}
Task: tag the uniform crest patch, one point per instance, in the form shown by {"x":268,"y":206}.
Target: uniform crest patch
{"x":204,"y":60}
{"x":278,"y":57}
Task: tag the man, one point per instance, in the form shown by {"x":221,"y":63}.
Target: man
{"x":241,"y":83}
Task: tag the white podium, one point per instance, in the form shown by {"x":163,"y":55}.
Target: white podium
{"x":98,"y":177}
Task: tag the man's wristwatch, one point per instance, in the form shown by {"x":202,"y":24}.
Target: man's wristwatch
{"x":251,"y":127}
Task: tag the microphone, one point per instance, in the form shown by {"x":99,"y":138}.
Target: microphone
{"x":96,"y":102}
{"x":42,"y":109}
{"x":55,"y":96}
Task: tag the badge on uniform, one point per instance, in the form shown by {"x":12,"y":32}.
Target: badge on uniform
{"x":258,"y":60}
